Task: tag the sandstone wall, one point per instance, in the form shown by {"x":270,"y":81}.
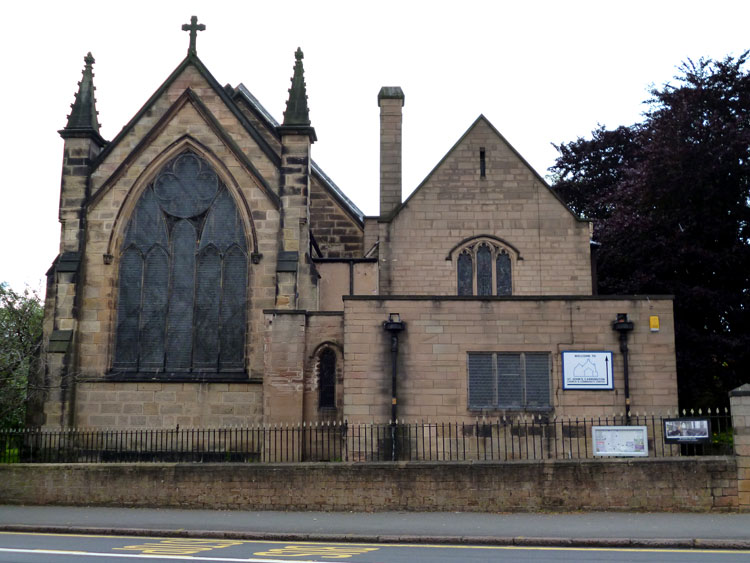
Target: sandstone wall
{"x":432,"y":357}
{"x":510,"y":202}
{"x":167,"y":405}
{"x":119,"y":180}
{"x":696,"y":484}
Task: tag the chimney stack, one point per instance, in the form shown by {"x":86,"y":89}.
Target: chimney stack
{"x":390,"y":100}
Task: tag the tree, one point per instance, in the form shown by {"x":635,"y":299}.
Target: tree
{"x":670,"y":197}
{"x":20,"y":340}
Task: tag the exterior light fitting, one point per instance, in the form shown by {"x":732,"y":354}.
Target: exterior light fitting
{"x":394,"y":323}
{"x":622,"y":324}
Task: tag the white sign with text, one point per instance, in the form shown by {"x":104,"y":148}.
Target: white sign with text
{"x":587,"y":370}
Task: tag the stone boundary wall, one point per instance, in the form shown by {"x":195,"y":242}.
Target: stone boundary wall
{"x":687,"y":484}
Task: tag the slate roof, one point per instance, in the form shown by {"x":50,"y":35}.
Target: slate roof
{"x":272,"y":125}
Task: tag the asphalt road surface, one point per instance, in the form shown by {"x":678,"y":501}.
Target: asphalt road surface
{"x":63,"y":548}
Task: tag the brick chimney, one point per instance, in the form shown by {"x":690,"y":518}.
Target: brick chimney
{"x":390,"y":100}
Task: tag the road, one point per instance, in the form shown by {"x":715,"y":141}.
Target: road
{"x":429,"y":527}
{"x":64,"y":548}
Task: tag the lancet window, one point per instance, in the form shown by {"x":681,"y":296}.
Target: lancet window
{"x":327,"y":379}
{"x":182,"y":288}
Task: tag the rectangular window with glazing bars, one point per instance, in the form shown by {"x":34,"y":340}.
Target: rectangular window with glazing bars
{"x":500,"y":380}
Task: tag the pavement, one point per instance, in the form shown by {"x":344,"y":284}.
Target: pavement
{"x":592,"y":529}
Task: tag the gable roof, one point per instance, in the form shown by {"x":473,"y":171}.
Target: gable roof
{"x":187,"y":97}
{"x":263,"y":115}
{"x":483,"y":119}
{"x":191,"y":59}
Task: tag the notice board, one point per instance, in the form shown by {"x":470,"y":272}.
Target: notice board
{"x":620,"y":441}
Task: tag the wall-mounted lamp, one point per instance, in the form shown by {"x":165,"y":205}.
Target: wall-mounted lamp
{"x":394,"y":325}
{"x":622,"y":325}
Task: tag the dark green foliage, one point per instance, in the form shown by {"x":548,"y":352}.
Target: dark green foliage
{"x":20,"y":339}
{"x":670,"y":200}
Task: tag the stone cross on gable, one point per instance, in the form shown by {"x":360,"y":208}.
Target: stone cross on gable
{"x":193,"y":27}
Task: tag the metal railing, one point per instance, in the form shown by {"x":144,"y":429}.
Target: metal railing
{"x":505,"y":439}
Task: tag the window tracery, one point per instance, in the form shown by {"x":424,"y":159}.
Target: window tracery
{"x":183,"y":276}
{"x":484,"y":268}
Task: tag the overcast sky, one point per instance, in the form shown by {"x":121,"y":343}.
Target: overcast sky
{"x":541,"y":72}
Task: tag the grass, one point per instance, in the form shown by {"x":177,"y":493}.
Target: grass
{"x":9,"y":455}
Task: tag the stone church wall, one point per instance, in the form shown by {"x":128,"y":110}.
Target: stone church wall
{"x":167,"y":405}
{"x":440,"y":332}
{"x":510,"y":203}
{"x":339,"y":278}
{"x":323,"y":331}
{"x":335,"y":232}
{"x":144,"y":129}
{"x":115,"y":197}
{"x":301,"y":307}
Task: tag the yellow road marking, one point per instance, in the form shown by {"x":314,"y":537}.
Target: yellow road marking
{"x":150,"y":557}
{"x":324,"y":551}
{"x":181,"y":546}
{"x":417,"y":545}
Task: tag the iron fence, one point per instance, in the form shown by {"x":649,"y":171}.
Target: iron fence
{"x":503,"y":439}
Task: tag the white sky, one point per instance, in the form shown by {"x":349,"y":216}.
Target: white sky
{"x":541,"y":72}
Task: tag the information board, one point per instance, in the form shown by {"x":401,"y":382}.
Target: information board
{"x":620,"y":440}
{"x":687,"y":430}
{"x":587,"y":370}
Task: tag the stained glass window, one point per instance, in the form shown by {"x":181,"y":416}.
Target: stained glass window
{"x":183,"y":276}
{"x":475,"y":271}
{"x":465,"y":274}
{"x":484,"y":270}
{"x":504,"y":286}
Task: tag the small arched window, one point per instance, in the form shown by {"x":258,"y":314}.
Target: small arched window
{"x":504,"y":283}
{"x":327,"y":379}
{"x":183,"y":276}
{"x":465,"y":274}
{"x":484,"y":268}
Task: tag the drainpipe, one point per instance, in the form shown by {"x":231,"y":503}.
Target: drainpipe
{"x":394,"y":325}
{"x":623,"y":326}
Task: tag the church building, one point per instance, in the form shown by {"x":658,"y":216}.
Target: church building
{"x":211,"y":274}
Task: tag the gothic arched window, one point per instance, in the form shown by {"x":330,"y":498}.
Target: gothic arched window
{"x":476,"y":274}
{"x":183,"y":276}
{"x":504,"y":284}
{"x":327,"y":379}
{"x":465,"y":274}
{"x":484,"y":270}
